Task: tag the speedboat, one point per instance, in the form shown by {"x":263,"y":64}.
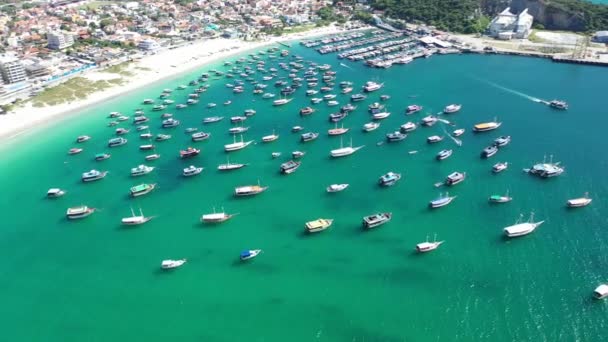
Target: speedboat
{"x":500,"y":198}
{"x":296,"y":128}
{"x":309,"y":136}
{"x":389,"y":179}
{"x":441,"y":201}
{"x":357,"y":97}
{"x":557,"y":104}
{"x":276,"y":154}
{"x":134,"y":220}
{"x":82,"y":138}
{"x":408,"y":127}
{"x":170,"y":264}
{"x":145,"y":135}
{"x":395,"y":136}
{"x":192,"y":171}
{"x":121,"y":131}
{"x":236,"y":119}
{"x":200,"y":136}
{"x":318,"y":225}
{"x":141,"y":170}
{"x":522,"y":228}
{"x":375,"y":220}
{"x":412,"y":109}
{"x":141,"y":189}
{"x":579,"y":202}
{"x":336,"y":187}
{"x":499,"y":167}
{"x":212,"y":119}
{"x":189,"y":152}
{"x":54,"y":193}
{"x":371,"y":126}
{"x":455,"y":178}
{"x":249,"y":254}
{"x":429,"y":120}
{"x":453,"y":108}
{"x":75,"y":150}
{"x":434,"y":139}
{"x":290,"y":167}
{"x":79,"y":212}
{"x":458,"y":132}
{"x":502,"y":141}
{"x":93,"y":175}
{"x":443,"y":154}
{"x":428,"y":246}
{"x":489,"y":151}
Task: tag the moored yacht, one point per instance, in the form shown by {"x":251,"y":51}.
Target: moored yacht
{"x":455,"y":178}
{"x":230,"y":166}
{"x":189,"y":152}
{"x":522,"y":228}
{"x":141,"y":170}
{"x":212,"y":119}
{"x":375,"y":220}
{"x":500,"y":198}
{"x":93,"y":175}
{"x":443,"y":154}
{"x":389,"y":179}
{"x":370,"y":126}
{"x":216,"y":217}
{"x":489,"y":151}
{"x":200,"y":136}
{"x":579,"y":202}
{"x":408,"y":127}
{"x":170,"y":123}
{"x":83,"y":138}
{"x":290,"y":167}
{"x":372,"y":86}
{"x":162,"y":137}
{"x":318,"y":225}
{"x":434,"y":139}
{"x":412,"y":109}
{"x":121,"y":131}
{"x":134,"y":220}
{"x":441,"y":201}
{"x":344,"y":151}
{"x":141,"y":189}
{"x":79,"y":212}
{"x":281,"y":102}
{"x":502,"y":141}
{"x":55,"y":193}
{"x":395,"y":136}
{"x":428,"y":246}
{"x":75,"y":150}
{"x":546,"y":170}
{"x":270,"y":138}
{"x":453,"y":108}
{"x":336,"y":187}
{"x":114,"y":142}
{"x":249,"y":190}
{"x":191,"y":171}
{"x":309,"y":136}
{"x":499,"y":167}
{"x":337,"y":130}
{"x":170,"y":264}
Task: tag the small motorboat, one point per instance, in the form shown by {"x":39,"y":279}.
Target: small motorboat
{"x":200,"y":136}
{"x":371,"y":126}
{"x":141,"y":170}
{"x":309,"y":136}
{"x":336,"y":187}
{"x":170,"y":264}
{"x":489,"y":151}
{"x":429,"y":120}
{"x":297,"y":154}
{"x":192,"y":171}
{"x":443,"y":154}
{"x":318,"y":225}
{"x":395,"y":136}
{"x":79,"y":212}
{"x":434,"y":139}
{"x":579,"y":202}
{"x":153,"y":156}
{"x":55,"y":192}
{"x":502,"y":141}
{"x":276,"y":154}
{"x":428,"y":246}
{"x":455,"y":178}
{"x":500,"y":198}
{"x":458,"y":132}
{"x":249,"y":254}
{"x":212,"y":119}
{"x":381,"y":115}
{"x":82,"y":138}
{"x":441,"y":201}
{"x":296,"y":128}
{"x":412,"y":109}
{"x":389,"y":179}
{"x":453,"y":108}
{"x":601,"y":291}
{"x":408,"y":127}
{"x":499,"y":167}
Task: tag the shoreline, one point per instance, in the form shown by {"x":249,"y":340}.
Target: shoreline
{"x":185,"y":60}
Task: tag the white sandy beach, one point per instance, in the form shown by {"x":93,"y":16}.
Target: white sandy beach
{"x":150,"y":69}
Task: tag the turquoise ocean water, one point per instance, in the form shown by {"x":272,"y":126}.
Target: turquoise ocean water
{"x":94,"y":280}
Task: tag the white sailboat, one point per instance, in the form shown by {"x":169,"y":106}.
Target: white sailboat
{"x":428,"y":246}
{"x":136,"y":219}
{"x":235,"y":146}
{"x":345,"y":151}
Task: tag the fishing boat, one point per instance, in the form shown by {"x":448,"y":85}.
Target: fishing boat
{"x":189,"y":152}
{"x":499,"y":167}
{"x":345,"y":151}
{"x":381,"y":115}
{"x":336,"y":187}
{"x":191,"y":171}
{"x":141,"y":170}
{"x":557,"y":104}
{"x":318,"y":225}
{"x":371,"y":126}
{"x":408,"y":127}
{"x":601,"y":291}
{"x":489,"y":151}
{"x":230,"y":166}
{"x":237,"y":145}
{"x":170,"y":264}
{"x":395,"y":136}
{"x":453,"y":108}
{"x":337,"y":130}
{"x":212,"y":119}
{"x":93,"y":175}
{"x":141,"y":189}
{"x":486,"y":126}
{"x":522,"y":228}
{"x":500,"y":198}
{"x":428,"y":120}
{"x":389,"y":179}
{"x":281,"y":102}
{"x":79,"y":212}
{"x":455,"y":178}
{"x":297,"y":154}
{"x":162,"y":137}
{"x":55,"y":193}
{"x":290,"y":167}
{"x":579,"y":202}
{"x":310,"y":136}
{"x":443,"y":154}
{"x":502,"y":141}
{"x":74,"y":150}
{"x":146,"y":147}
{"x":216,"y":217}
{"x":375,"y":220}
{"x":249,"y":190}
{"x":134,"y":220}
{"x":441,"y":201}
{"x":412,"y":109}
{"x":458,"y":132}
{"x":83,"y":138}
{"x":200,"y":136}
{"x":249,"y":254}
{"x":270,"y":138}
{"x":546,"y":170}
{"x":372,"y":86}
{"x":434,"y":139}
{"x":428,"y":246}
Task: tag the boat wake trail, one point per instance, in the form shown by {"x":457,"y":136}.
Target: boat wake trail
{"x":508,"y":90}
{"x":456,"y":141}
{"x":344,"y":65}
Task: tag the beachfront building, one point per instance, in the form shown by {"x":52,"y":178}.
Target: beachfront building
{"x":59,"y":40}
{"x":507,"y":25}
{"x":11,"y":69}
{"x":148,"y":45}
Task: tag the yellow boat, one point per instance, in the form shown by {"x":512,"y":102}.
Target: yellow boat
{"x":486,"y":126}
{"x":318,"y":225}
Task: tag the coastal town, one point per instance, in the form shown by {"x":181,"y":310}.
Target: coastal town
{"x":48,"y":43}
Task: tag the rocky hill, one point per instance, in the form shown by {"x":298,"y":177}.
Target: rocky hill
{"x":569,"y":15}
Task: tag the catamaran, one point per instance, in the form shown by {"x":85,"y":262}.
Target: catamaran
{"x":345,"y":151}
